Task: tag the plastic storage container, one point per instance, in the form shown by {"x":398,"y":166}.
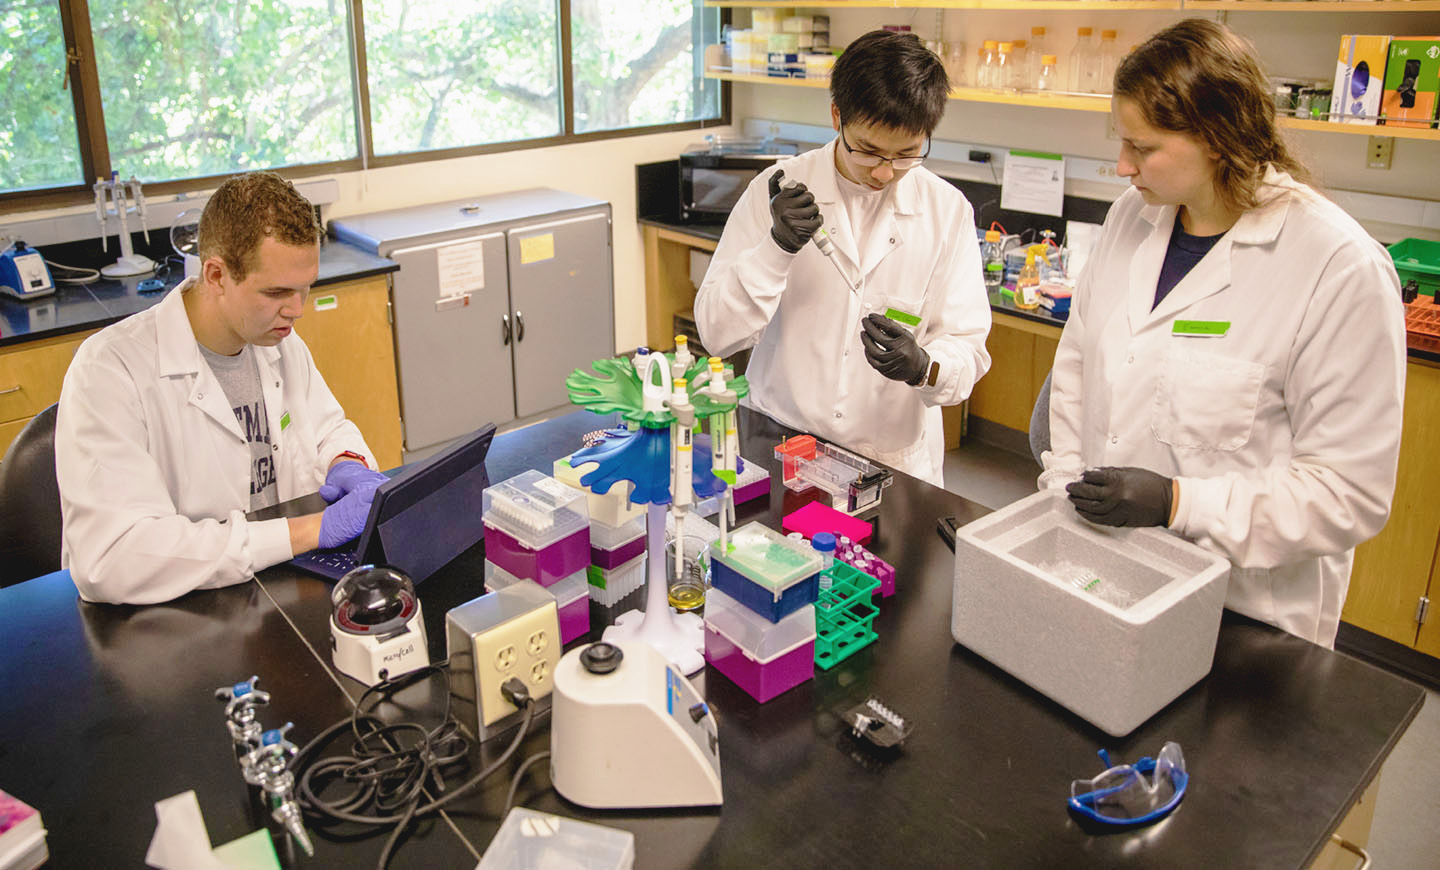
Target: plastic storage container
{"x":766,"y":572}
{"x":613,"y":508}
{"x":1110,"y":623}
{"x":764,"y":658}
{"x":529,"y":840}
{"x":1418,"y":259}
{"x":613,"y":546}
{"x":609,"y":585}
{"x":537,"y":527}
{"x":571,"y":600}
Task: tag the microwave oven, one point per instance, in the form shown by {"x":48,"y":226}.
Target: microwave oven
{"x":711,"y":181}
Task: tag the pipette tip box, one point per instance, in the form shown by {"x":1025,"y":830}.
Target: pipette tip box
{"x":1111,"y":623}
{"x":613,"y":546}
{"x":609,"y":585}
{"x":767,"y":572}
{"x":572,"y":599}
{"x":536,"y":527}
{"x":762,"y":657}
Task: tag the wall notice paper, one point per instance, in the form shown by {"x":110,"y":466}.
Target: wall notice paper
{"x":1034,"y":181}
{"x":462,"y":269}
{"x":537,"y":248}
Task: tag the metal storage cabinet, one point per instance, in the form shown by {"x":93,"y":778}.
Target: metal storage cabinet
{"x":538,"y":301}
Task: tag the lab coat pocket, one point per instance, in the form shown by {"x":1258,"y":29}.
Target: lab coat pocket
{"x":1206,"y":401}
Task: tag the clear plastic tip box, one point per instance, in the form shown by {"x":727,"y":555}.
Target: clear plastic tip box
{"x":530,"y":840}
{"x":1112,"y":624}
{"x":536,"y":527}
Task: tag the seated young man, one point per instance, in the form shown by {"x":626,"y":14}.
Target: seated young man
{"x":177,"y":421}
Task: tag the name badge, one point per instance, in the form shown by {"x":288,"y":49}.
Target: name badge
{"x":1200,"y":328}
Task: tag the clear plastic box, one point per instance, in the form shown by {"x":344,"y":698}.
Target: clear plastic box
{"x":764,"y":658}
{"x":607,"y":537}
{"x":572,"y":600}
{"x":530,"y":840}
{"x":535,"y":509}
{"x":609,"y":585}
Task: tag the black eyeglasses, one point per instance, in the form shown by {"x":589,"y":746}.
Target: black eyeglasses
{"x":865,"y":158}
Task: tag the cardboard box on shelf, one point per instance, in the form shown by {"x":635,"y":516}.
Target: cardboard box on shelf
{"x":1359,"y":79}
{"x":1412,"y":80}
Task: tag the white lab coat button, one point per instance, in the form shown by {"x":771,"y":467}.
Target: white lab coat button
{"x":274,"y":447}
{"x":199,"y":397}
{"x":1114,"y":439}
{"x":277,"y":384}
{"x":867,"y":304}
{"x":1130,"y":358}
{"x":838,"y":415}
{"x":892,"y":241}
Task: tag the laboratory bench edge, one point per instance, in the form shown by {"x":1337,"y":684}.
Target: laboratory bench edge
{"x":1281,"y":739}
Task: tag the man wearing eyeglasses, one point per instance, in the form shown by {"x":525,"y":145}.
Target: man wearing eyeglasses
{"x":864,"y":345}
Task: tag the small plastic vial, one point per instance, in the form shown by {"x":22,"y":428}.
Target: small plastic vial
{"x":824,"y":544}
{"x":795,"y":536}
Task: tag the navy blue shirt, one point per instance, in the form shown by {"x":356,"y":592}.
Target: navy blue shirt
{"x":1181,"y":256}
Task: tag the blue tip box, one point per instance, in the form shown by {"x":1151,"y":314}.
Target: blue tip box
{"x":767,"y":572}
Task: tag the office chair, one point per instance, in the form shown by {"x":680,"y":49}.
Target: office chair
{"x":30,"y":503}
{"x":1040,"y":421}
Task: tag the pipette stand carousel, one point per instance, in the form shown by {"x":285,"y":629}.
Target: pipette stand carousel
{"x":110,"y":199}
{"x":657,"y":458}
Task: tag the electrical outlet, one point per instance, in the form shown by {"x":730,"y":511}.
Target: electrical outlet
{"x":513,"y":632}
{"x":1379,"y":152}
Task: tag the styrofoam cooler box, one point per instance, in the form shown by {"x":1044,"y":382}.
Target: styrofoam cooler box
{"x":1111,"y":623}
{"x":536,"y":527}
{"x":613,"y":546}
{"x":609,"y":585}
{"x":762,"y":657}
{"x":572,"y":600}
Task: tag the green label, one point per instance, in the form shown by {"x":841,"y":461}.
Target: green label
{"x":596,"y":578}
{"x":994,"y":267}
{"x":1201,"y":327}
{"x":904,"y":317}
{"x":1039,"y":155}
{"x":284,"y":421}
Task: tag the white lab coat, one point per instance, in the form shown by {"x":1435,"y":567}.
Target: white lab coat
{"x":1284,"y":433}
{"x":808,"y":370}
{"x":154,"y":470}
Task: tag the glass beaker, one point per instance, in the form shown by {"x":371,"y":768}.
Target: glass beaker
{"x":687,"y":592}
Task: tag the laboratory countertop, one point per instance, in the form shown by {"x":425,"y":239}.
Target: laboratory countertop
{"x":109,"y":708}
{"x":998,"y":303}
{"x":78,"y":307}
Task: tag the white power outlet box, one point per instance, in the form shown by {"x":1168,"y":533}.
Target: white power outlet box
{"x":512,"y":632}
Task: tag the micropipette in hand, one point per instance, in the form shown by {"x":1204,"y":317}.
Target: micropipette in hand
{"x":820,"y":238}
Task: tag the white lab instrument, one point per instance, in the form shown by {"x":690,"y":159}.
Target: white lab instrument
{"x":110,"y":198}
{"x":376,"y":627}
{"x":23,"y":273}
{"x":628,"y":730}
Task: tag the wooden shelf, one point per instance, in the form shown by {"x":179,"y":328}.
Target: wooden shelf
{"x":1094,"y":103}
{"x":1314,"y":5}
{"x":1103,"y":5}
{"x":1086,"y":5}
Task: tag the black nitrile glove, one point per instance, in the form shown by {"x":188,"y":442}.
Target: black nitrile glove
{"x":1122,"y":497}
{"x":795,"y":216}
{"x":892,"y":351}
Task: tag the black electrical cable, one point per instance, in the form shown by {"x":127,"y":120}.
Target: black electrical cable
{"x":515,"y":780}
{"x":390,"y":765}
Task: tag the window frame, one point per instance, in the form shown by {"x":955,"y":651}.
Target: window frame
{"x":84,"y":85}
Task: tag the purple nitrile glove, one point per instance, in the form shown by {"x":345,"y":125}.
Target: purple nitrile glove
{"x":345,"y":476}
{"x":345,"y":519}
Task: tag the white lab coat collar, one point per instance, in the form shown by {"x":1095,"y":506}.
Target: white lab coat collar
{"x":886,"y":236}
{"x":178,"y":356}
{"x":1258,"y":226}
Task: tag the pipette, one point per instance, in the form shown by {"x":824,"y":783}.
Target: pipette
{"x":821,"y":238}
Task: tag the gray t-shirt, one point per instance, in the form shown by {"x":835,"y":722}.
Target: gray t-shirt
{"x":239,"y":377}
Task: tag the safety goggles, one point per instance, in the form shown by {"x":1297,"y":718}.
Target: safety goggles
{"x":1130,"y":795}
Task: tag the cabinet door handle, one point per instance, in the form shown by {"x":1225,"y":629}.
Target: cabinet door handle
{"x":504,"y":329}
{"x":519,"y":327}
{"x":8,"y":390}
